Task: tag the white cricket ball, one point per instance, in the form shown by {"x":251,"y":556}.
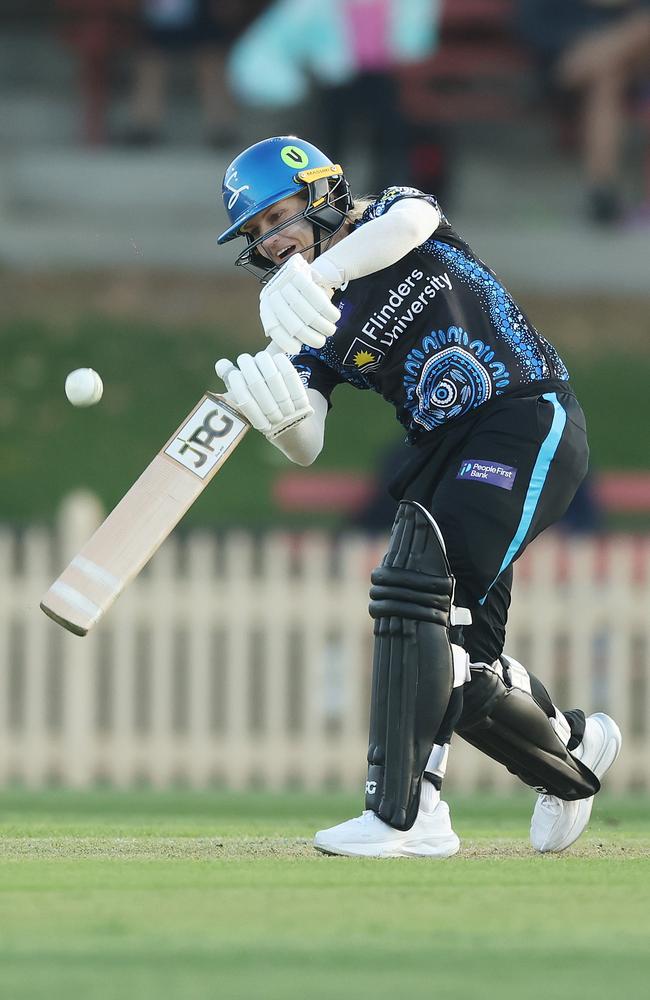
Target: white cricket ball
{"x":84,"y":387}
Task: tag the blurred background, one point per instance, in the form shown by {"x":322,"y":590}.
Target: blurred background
{"x":529,"y":119}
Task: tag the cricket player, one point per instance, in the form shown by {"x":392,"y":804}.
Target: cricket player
{"x":383,"y":294}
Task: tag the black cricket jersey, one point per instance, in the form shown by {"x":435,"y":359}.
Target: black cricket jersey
{"x":436,"y":334}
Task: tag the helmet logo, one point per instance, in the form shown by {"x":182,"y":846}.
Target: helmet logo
{"x":235,"y":191}
{"x":294,"y":156}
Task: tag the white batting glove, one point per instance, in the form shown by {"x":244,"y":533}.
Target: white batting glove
{"x":295,"y":308}
{"x":267,"y":390}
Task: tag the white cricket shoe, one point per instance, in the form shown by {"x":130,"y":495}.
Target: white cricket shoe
{"x":556,"y":823}
{"x":367,"y":836}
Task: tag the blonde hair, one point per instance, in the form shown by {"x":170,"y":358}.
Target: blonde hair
{"x":359,"y":206}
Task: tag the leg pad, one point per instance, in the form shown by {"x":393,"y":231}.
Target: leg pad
{"x":502,"y":719}
{"x":413,"y":670}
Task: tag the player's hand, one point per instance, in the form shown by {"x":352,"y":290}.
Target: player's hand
{"x":267,"y":390}
{"x":295,"y":308}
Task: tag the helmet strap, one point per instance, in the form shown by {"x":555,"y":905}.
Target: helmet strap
{"x":319,"y":236}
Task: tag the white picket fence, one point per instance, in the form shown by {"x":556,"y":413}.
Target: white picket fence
{"x":245,"y":660}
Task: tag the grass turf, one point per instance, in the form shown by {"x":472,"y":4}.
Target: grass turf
{"x":188,"y":895}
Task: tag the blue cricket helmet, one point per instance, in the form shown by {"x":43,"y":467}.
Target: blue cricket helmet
{"x":274,"y":169}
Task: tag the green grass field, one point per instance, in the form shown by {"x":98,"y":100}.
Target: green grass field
{"x":188,"y":895}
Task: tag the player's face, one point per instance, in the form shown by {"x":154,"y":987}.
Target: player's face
{"x":295,"y":237}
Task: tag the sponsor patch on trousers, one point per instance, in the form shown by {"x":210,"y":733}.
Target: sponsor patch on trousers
{"x":481,"y":470}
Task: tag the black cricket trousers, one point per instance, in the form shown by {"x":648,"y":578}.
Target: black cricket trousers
{"x":513,"y":475}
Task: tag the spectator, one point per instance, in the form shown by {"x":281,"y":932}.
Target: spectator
{"x":594,"y":49}
{"x":372,"y":97}
{"x":350,"y":48}
{"x":202,"y":28}
{"x":584,"y":515}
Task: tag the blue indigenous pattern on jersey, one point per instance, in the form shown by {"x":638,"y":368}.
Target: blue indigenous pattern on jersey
{"x":436,"y":333}
{"x":389,"y":196}
{"x":508,"y":321}
{"x":449,"y":375}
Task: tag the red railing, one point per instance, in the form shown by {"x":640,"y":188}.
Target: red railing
{"x":347,"y":492}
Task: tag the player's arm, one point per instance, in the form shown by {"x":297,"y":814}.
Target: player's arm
{"x":377,"y":244}
{"x":295,"y":307}
{"x":267,"y":390}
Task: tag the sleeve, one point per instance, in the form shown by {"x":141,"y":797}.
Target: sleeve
{"x":392,"y":195}
{"x":315,"y":373}
{"x":302,"y":443}
{"x":378,"y":242}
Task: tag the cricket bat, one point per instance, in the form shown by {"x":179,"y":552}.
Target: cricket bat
{"x":145,"y":515}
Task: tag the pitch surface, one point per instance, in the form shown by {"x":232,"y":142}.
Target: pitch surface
{"x":187,"y":895}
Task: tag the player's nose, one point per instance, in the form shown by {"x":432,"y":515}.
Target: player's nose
{"x":273,"y":246}
{"x":271,"y":242}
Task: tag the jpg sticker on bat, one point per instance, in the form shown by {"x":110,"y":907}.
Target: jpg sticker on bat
{"x":205,"y":437}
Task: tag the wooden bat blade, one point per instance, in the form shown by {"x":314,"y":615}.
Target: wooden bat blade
{"x":145,"y":515}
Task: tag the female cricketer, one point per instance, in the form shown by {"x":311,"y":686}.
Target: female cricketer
{"x":383,"y":294}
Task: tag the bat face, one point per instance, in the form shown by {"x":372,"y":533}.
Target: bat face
{"x":145,"y":516}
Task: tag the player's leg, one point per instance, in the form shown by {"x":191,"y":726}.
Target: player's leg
{"x":507,"y":712}
{"x":415,"y":672}
{"x":509,"y":715}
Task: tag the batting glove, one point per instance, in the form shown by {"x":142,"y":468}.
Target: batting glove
{"x":295,"y":307}
{"x":267,"y":390}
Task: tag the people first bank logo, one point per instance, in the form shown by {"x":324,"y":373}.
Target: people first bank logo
{"x":482,"y":471}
